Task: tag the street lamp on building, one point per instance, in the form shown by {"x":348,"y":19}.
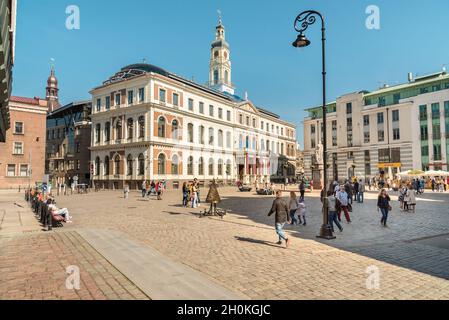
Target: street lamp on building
{"x":301,"y":24}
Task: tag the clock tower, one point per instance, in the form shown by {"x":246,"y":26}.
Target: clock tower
{"x":220,"y":62}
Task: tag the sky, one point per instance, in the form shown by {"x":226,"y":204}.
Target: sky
{"x":176,"y":35}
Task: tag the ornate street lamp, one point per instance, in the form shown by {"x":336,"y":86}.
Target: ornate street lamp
{"x":302,"y":22}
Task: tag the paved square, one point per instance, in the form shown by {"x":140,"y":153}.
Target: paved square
{"x":240,"y":254}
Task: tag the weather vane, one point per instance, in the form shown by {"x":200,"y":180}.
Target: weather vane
{"x":52,"y":63}
{"x":219,"y":16}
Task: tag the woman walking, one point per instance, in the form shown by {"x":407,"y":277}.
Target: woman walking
{"x":383,"y":204}
{"x":293,"y":207}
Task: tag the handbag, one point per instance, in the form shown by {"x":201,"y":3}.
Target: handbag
{"x":389,"y":208}
{"x":349,"y":207}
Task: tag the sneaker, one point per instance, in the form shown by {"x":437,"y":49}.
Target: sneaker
{"x":341,"y":230}
{"x":287,"y":243}
{"x":279,"y":243}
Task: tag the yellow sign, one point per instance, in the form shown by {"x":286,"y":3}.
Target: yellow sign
{"x":387,"y":165}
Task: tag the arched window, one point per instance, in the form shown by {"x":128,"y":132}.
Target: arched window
{"x":211,"y":136}
{"x":216,"y":76}
{"x":175,"y":165}
{"x":254,"y":144}
{"x":228,"y":167}
{"x":268,"y":145}
{"x":107,"y":132}
{"x":201,"y":134}
{"x":97,"y":133}
{"x":174,"y":130}
{"x":161,"y":127}
{"x":241,"y":142}
{"x":211,"y":167}
{"x":226,"y":76}
{"x":190,"y":166}
{"x":282,"y":150}
{"x":247,"y":143}
{"x":106,"y":166}
{"x":161,"y":164}
{"x":190,"y":132}
{"x":141,"y":127}
{"x":141,"y":164}
{"x":220,"y":168}
{"x":129,"y":165}
{"x":97,"y":166}
{"x":200,"y":167}
{"x":220,"y":138}
{"x":118,"y":130}
{"x":130,"y":128}
{"x":117,"y":165}
{"x":262,"y":145}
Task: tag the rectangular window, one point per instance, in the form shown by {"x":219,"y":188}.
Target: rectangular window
{"x":247,"y":121}
{"x":351,"y":155}
{"x":118,"y":99}
{"x":312,"y":129}
{"x":190,"y":104}
{"x":349,"y":108}
{"x":382,"y":101}
{"x":201,"y":107}
{"x":395,"y":155}
{"x":366,"y":121}
{"x":423,"y":90}
{"x":18,"y":128}
{"x":98,"y":105}
{"x":437,"y":152}
{"x":220,"y":113}
{"x":162,"y":95}
{"x":366,"y":137}
{"x":396,"y":134}
{"x":11,"y":170}
{"x":228,"y":115}
{"x":435,"y":110}
{"x":380,"y":135}
{"x":396,"y":98}
{"x":175,"y":99}
{"x":384,"y":155}
{"x":425,"y":151}
{"x":446,"y":110}
{"x":261,"y":125}
{"x":380,"y":118}
{"x":18,"y":148}
{"x":395,"y":114}
{"x":130,"y":97}
{"x":423,"y":113}
{"x":108,"y":103}
{"x":24,"y":170}
{"x":142,"y":95}
{"x":424,"y":133}
{"x":254,"y":122}
{"x":436,"y":132}
{"x":211,"y":110}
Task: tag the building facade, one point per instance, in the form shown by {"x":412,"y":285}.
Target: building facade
{"x":68,"y":142}
{"x":8,"y":10}
{"x":22,"y":156}
{"x":148,"y":123}
{"x":392,"y":129}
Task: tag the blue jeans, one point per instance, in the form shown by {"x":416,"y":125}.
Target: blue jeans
{"x":384,"y":212}
{"x":360,"y":197}
{"x":293,"y":217}
{"x":184,"y":199}
{"x":333,"y":219}
{"x":280,"y":231}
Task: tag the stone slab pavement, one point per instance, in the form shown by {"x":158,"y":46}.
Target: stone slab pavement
{"x":240,"y":253}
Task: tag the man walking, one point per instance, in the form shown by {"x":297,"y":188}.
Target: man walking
{"x":302,"y":189}
{"x":343,"y":200}
{"x":280,"y":209}
{"x":361,"y":196}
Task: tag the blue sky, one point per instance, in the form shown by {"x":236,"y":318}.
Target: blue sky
{"x":176,"y":35}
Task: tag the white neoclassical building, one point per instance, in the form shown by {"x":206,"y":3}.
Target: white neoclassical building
{"x":148,"y":123}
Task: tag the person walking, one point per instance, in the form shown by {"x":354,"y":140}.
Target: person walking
{"x":361,"y":195}
{"x":302,"y":189}
{"x":411,"y":204}
{"x":383,"y":205}
{"x":343,"y":201}
{"x":280,"y":209}
{"x":126,"y":191}
{"x":356,"y":190}
{"x":302,"y":212}
{"x":185,"y":194}
{"x":332,"y":207}
{"x":144,"y":188}
{"x":193,"y":195}
{"x":293,"y":208}
{"x":159,"y":190}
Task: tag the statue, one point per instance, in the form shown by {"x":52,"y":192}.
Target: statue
{"x":213,"y":198}
{"x":319,"y":154}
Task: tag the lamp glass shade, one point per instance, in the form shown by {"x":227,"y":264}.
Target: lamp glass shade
{"x":301,"y":41}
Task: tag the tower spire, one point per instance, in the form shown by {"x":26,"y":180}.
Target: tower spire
{"x":52,"y":90}
{"x":220,"y":62}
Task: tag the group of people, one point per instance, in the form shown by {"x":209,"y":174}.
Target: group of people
{"x":191,"y":194}
{"x":149,"y":188}
{"x":407,"y":198}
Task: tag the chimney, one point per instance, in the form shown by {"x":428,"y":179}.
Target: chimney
{"x":410,"y":77}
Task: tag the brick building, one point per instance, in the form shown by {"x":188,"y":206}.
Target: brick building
{"x":22,"y":156}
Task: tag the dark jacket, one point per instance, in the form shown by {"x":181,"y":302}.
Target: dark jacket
{"x":281,"y":209}
{"x":383,"y":203}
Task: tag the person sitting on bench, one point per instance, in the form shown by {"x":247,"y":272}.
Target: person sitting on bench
{"x":64,"y":213}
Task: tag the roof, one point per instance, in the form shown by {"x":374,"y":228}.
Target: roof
{"x":32,"y":101}
{"x":69,"y":106}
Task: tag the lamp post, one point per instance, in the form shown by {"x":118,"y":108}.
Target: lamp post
{"x":302,"y":22}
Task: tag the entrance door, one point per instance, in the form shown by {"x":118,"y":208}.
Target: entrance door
{"x":241,"y":172}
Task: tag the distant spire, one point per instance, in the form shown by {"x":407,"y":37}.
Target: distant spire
{"x":220,"y":20}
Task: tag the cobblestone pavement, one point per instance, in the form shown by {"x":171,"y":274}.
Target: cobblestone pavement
{"x":240,"y":252}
